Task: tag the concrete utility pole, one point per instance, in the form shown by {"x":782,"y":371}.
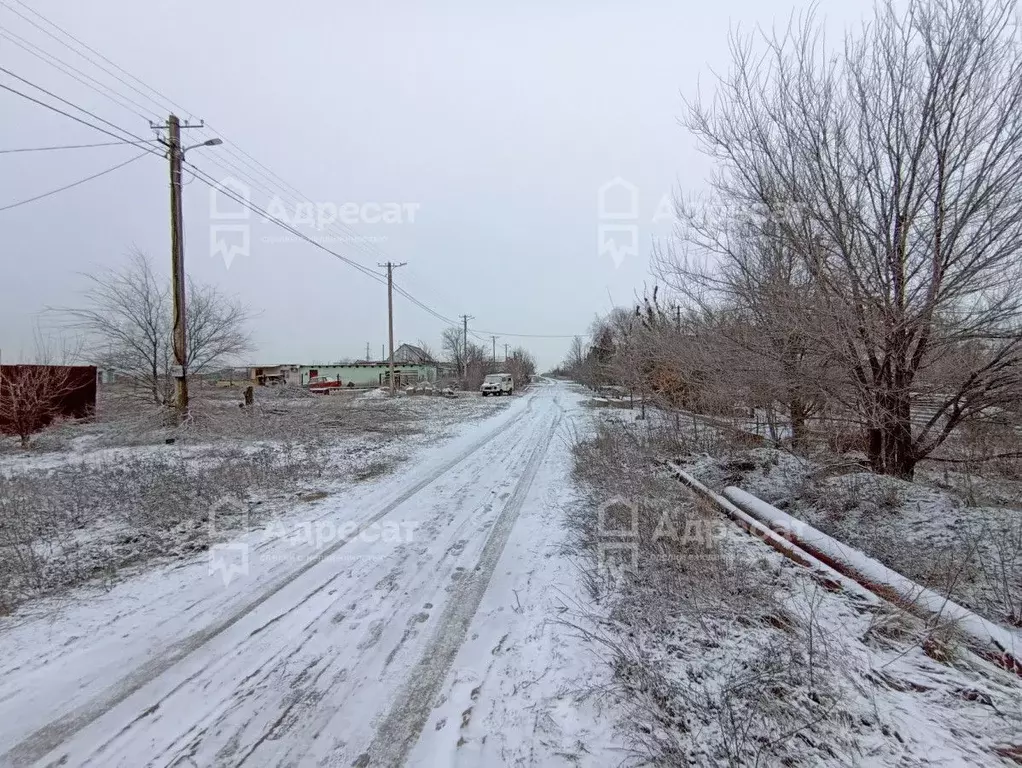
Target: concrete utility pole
{"x":176,"y":155}
{"x":367,"y":351}
{"x":505,"y":351}
{"x":494,"y":338}
{"x":390,"y":315}
{"x":677,"y":316}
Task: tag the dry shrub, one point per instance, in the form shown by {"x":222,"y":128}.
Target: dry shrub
{"x":714,"y":667}
{"x":62,"y":527}
{"x":87,"y":518}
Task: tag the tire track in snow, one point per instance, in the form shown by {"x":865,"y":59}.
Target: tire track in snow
{"x":397,"y":733}
{"x":51,"y":736}
{"x":221,"y":720}
{"x":372,"y":668}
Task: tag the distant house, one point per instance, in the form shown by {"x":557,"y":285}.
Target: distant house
{"x":409,"y":353}
{"x":275,"y":375}
{"x":368,"y":374}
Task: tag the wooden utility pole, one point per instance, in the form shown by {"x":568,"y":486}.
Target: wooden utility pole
{"x":176,"y":154}
{"x":390,"y":315}
{"x":177,"y":260}
{"x":464,"y":346}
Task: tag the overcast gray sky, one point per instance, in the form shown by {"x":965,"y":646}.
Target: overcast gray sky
{"x":494,"y":124}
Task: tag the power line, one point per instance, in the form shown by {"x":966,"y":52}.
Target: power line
{"x":267,"y":174}
{"x":212,"y":183}
{"x":368,"y":249}
{"x":63,"y":67}
{"x":200,"y":174}
{"x":423,"y":306}
{"x":77,"y":146}
{"x":209,"y":181}
{"x":376,"y":252}
{"x":347,"y":232}
{"x":73,"y":184}
{"x":71,"y":48}
{"x":65,"y":114}
{"x":139,"y":139}
{"x":528,"y":335}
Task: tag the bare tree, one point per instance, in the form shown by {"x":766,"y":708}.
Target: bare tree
{"x":575,"y":358}
{"x":471,"y":360}
{"x":757,"y":303}
{"x":521,"y":365}
{"x":891,"y":173}
{"x":453,"y":345}
{"x":33,"y":395}
{"x":127,"y":316}
{"x":576,"y":353}
{"x":478,"y":363}
{"x":427,"y":350}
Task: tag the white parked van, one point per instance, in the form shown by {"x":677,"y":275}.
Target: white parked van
{"x":497,"y":384}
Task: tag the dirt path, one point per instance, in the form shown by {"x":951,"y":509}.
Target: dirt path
{"x":333,"y":655}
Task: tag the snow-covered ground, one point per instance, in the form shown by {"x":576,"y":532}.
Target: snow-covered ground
{"x":926,"y":529}
{"x":90,"y":499}
{"x":727,"y":653}
{"x":410,"y":618}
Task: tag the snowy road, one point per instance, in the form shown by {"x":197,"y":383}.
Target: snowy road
{"x":407,"y":622}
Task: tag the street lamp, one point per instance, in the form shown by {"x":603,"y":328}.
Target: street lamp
{"x":207,"y":143}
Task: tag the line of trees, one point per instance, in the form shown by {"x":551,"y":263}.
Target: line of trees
{"x":860,"y":257}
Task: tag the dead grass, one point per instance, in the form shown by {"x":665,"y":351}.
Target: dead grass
{"x":931,"y":530}
{"x":90,"y":498}
{"x":65,"y":526}
{"x":714,"y":667}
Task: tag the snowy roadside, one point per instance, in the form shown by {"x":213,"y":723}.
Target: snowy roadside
{"x":64,"y":651}
{"x":110,"y":499}
{"x":731,"y":654}
{"x":446,"y":647}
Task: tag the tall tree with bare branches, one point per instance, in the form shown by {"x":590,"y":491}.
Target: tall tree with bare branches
{"x":128,"y":319}
{"x":891,"y":173}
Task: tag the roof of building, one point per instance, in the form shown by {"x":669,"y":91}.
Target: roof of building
{"x":413,"y":351}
